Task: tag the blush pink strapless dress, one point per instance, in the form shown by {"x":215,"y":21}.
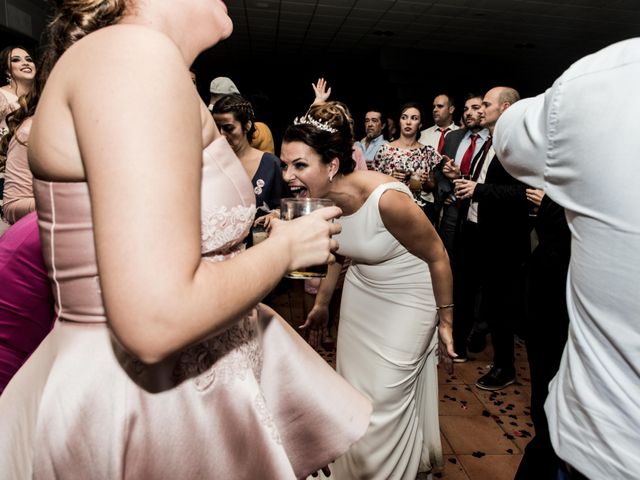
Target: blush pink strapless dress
{"x":254,"y":402}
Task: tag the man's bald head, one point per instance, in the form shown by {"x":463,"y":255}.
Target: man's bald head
{"x":494,"y":103}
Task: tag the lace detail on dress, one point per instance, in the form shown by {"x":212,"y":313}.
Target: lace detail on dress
{"x":226,"y":358}
{"x":265,"y":417}
{"x":224,"y":227}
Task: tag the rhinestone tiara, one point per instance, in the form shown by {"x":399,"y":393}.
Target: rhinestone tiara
{"x":309,"y":120}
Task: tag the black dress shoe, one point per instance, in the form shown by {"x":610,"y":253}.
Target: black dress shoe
{"x":496,"y":379}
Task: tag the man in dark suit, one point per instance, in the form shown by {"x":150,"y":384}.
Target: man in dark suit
{"x":495,"y":213}
{"x":460,"y":146}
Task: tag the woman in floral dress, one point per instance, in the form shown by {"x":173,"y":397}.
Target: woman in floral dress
{"x":408,"y":160}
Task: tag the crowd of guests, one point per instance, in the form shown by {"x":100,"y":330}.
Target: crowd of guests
{"x":448,"y":235}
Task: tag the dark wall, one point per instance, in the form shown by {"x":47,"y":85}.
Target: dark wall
{"x":11,"y":37}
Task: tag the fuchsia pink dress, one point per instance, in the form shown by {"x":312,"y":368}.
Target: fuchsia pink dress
{"x":254,"y":402}
{"x":26,"y":302}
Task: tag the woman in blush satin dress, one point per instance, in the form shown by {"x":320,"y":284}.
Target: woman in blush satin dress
{"x":397,"y":295}
{"x":161,"y":364}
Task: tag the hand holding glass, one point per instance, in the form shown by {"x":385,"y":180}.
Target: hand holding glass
{"x":401,"y":174}
{"x":297,"y":207}
{"x":415,"y":182}
{"x":459,"y":183}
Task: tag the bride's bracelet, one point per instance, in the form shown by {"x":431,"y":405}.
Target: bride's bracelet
{"x":440,"y":307}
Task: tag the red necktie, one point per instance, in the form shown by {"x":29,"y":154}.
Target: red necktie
{"x":443,"y":132}
{"x":465,"y":164}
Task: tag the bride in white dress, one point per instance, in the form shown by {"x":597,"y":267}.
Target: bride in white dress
{"x":397,"y":293}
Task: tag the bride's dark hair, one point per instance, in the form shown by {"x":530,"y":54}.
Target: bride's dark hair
{"x":72,"y":20}
{"x":333,"y":141}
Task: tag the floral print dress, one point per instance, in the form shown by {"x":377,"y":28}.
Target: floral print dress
{"x":424,"y":158}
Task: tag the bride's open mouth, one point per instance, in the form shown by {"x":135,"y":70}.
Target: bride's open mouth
{"x":299,"y":191}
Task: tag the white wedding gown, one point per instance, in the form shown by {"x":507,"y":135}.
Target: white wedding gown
{"x":387,"y":349}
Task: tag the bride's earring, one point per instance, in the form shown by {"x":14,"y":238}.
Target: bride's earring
{"x":9,"y":79}
{"x":330,"y":178}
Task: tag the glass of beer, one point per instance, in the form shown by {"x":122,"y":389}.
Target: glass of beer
{"x":258,"y":234}
{"x":291,"y":208}
{"x":415,"y":183}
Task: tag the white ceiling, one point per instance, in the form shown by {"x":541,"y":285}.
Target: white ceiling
{"x":500,"y":27}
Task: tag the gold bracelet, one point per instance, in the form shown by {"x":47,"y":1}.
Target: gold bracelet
{"x":444,"y":306}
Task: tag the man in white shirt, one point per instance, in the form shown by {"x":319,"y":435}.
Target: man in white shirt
{"x":443,"y":109}
{"x":374,"y":139}
{"x":570,"y":142}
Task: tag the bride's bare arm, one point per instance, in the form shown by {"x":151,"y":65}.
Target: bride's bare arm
{"x":409,"y":225}
{"x":138,"y":125}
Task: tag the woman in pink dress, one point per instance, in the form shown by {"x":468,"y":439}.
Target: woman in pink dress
{"x":161,"y":363}
{"x":19,"y":72}
{"x":26,"y":300}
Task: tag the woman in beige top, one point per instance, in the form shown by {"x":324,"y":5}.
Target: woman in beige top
{"x":18,"y":182}
{"x":19,"y":71}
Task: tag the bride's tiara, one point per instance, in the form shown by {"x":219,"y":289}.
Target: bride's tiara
{"x":309,"y":120}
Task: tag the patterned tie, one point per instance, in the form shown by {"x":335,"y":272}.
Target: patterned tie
{"x":443,"y":132}
{"x":465,"y":164}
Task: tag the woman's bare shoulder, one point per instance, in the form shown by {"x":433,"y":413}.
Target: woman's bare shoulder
{"x":366,"y":181}
{"x":119,"y":45}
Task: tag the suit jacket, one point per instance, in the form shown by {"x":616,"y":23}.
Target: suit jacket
{"x":444,"y":186}
{"x":503,"y":214}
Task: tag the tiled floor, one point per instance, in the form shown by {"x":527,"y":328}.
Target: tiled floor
{"x":483,"y":433}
